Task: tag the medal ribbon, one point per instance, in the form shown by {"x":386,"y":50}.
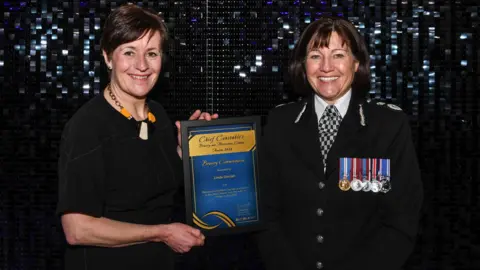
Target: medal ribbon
{"x":374,"y":168}
{"x":364,"y":168}
{"x":380,"y":172}
{"x":382,"y":168}
{"x":369,"y":169}
{"x":342,"y":169}
{"x":359,"y":167}
{"x":354,"y":168}
{"x":387,"y":171}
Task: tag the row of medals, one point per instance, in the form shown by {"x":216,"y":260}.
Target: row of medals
{"x":382,"y":184}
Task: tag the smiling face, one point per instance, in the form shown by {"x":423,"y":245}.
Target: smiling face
{"x":330,"y":70}
{"x":135,"y":66}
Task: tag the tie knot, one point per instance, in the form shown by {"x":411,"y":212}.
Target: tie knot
{"x":331,"y":111}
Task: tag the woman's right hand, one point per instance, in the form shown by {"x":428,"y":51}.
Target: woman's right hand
{"x":180,"y":237}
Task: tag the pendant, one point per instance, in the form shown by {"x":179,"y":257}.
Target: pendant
{"x":366,"y":185}
{"x":386,"y":186}
{"x":376,"y":186}
{"x":356,"y":185}
{"x":143,"y":131}
{"x":344,"y":184}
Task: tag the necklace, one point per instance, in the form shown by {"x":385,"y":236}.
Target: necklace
{"x":143,"y":133}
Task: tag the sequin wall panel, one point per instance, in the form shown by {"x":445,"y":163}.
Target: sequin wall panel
{"x":231,"y":57}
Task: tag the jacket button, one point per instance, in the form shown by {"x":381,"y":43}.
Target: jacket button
{"x":319,"y":265}
{"x":319,"y":239}
{"x":321,"y":185}
{"x":319,"y":212}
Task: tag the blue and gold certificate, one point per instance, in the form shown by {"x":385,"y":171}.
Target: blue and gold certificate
{"x":223,"y":175}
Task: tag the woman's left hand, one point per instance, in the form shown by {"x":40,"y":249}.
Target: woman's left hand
{"x":197,"y":115}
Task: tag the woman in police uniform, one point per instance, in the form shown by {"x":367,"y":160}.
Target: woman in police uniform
{"x":342,"y":186}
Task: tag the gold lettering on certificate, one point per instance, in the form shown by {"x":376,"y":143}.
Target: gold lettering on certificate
{"x":215,"y":163}
{"x":221,"y":138}
{"x":222,"y":143}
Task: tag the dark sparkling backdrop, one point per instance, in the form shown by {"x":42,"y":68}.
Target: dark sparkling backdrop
{"x":230,"y":57}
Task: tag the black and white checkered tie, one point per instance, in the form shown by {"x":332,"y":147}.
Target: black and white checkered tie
{"x":327,"y":129}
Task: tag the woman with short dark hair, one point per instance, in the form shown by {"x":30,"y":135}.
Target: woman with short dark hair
{"x":119,"y":168}
{"x":317,"y":35}
{"x":342,"y":186}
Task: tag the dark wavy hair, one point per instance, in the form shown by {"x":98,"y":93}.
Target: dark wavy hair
{"x":317,"y":35}
{"x":128,"y":23}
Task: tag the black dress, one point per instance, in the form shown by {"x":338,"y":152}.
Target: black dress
{"x":106,"y":170}
{"x":314,"y":224}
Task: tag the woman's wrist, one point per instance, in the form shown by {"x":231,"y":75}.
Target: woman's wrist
{"x":160,"y":233}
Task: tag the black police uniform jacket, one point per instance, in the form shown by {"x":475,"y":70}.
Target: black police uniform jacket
{"x":312,"y":224}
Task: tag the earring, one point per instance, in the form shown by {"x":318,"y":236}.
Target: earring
{"x":109,"y":67}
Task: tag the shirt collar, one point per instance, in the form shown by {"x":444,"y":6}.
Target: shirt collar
{"x":341,"y":104}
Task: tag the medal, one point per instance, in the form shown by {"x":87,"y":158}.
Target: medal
{"x":376,"y":186}
{"x":356,"y":182}
{"x":356,"y":185}
{"x":367,"y":186}
{"x":366,"y":175}
{"x":344,"y":183}
{"x":386,"y":185}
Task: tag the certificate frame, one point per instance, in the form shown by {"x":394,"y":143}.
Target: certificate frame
{"x":209,"y":207}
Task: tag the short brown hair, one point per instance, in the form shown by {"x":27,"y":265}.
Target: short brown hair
{"x":128,"y":23}
{"x":317,"y":35}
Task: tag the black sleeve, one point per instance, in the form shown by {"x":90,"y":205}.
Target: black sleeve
{"x":169,"y":145}
{"x":399,"y":209}
{"x":169,"y":142}
{"x":275,"y":250}
{"x":81,"y":171}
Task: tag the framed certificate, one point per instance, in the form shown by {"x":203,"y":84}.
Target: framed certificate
{"x":221,"y":174}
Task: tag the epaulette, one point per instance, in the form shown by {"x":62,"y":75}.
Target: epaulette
{"x":392,"y":107}
{"x":283,"y":104}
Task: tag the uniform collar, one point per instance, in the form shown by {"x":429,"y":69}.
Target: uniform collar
{"x":350,"y":103}
{"x":341,"y":104}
